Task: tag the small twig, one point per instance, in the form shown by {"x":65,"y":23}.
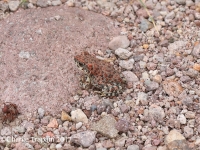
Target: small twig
{"x":151,"y":18}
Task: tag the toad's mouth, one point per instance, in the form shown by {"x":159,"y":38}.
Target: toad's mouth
{"x":81,"y":66}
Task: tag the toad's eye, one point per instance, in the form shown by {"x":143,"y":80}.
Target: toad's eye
{"x":90,"y":66}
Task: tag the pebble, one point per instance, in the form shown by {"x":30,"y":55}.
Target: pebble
{"x":182,"y":119}
{"x":79,"y":125}
{"x":85,"y":138}
{"x":156,"y":112}
{"x":42,"y":3}
{"x":58,"y":146}
{"x":119,"y":42}
{"x":79,"y":116}
{"x":65,"y":116}
{"x":123,"y":53}
{"x":151,"y":85}
{"x":133,"y":147}
{"x":6,"y":131}
{"x":130,"y":76}
{"x":53,"y":123}
{"x":177,"y":45}
{"x":106,"y":126}
{"x":196,"y":51}
{"x":41,"y":112}
{"x":142,"y":97}
{"x":175,"y":140}
{"x":145,"y":25}
{"x":172,"y":88}
{"x":143,"y":64}
{"x":56,"y":3}
{"x":24,"y":55}
{"x":122,"y":125}
{"x":126,"y":64}
{"x":181,"y":2}
{"x":188,"y":132}
{"x":190,"y":115}
{"x":13,"y":5}
{"x":120,"y":142}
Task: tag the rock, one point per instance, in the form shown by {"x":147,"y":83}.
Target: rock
{"x":19,"y":129}
{"x":6,"y":131}
{"x":120,"y":142}
{"x":79,"y":116}
{"x":24,"y":55}
{"x":172,"y":88}
{"x":177,"y":45}
{"x":162,"y":148}
{"x":4,"y":6}
{"x":190,"y":115}
{"x":197,"y":15}
{"x":187,"y":100}
{"x":30,"y":5}
{"x":79,"y":125}
{"x":151,"y":66}
{"x":196,"y":67}
{"x":175,"y":140}
{"x":170,"y":15}
{"x":85,"y":138}
{"x":142,"y":13}
{"x":189,"y":3}
{"x":42,"y":3}
{"x":130,"y":76}
{"x":21,"y":146}
{"x":196,"y":51}
{"x":149,"y":147}
{"x":188,"y":132}
{"x":143,"y":64}
{"x":65,"y":116}
{"x":142,"y":97}
{"x":13,"y":5}
{"x":123,"y":53}
{"x":58,"y":146}
{"x":197,"y":142}
{"x":126,"y":64}
{"x":181,"y":2}
{"x":145,"y":25}
{"x":182,"y":119}
{"x":192,"y":73}
{"x":124,"y":108}
{"x":156,"y":112}
{"x":70,"y":3}
{"x":53,"y":123}
{"x":28,"y":125}
{"x":56,"y":2}
{"x":106,"y":126}
{"x":108,"y":144}
{"x":133,"y":147}
{"x":157,"y":78}
{"x":41,"y":112}
{"x":185,"y":79}
{"x":122,"y":125}
{"x":119,"y":42}
{"x":149,"y":4}
{"x":151,"y":85}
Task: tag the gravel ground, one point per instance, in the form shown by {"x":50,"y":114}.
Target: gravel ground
{"x":159,"y":110}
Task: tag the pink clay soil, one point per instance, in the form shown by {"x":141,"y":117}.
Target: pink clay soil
{"x":37,"y":52}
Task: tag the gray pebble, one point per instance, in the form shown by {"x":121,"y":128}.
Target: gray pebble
{"x":41,"y":112}
{"x":13,"y":5}
{"x":133,"y":147}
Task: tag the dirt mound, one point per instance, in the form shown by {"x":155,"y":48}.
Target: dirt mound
{"x":37,"y":47}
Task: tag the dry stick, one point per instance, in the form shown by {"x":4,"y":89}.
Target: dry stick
{"x":151,"y":18}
